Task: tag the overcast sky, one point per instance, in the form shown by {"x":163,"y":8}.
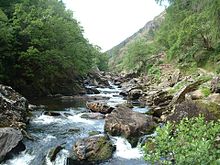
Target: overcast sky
{"x":108,"y":22}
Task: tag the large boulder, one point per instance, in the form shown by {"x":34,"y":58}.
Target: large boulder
{"x":125,"y":122}
{"x":135,"y":94}
{"x":10,"y":142}
{"x":189,"y":109}
{"x":99,"y":107}
{"x":211,"y":103}
{"x":215,"y":85}
{"x":91,"y":150}
{"x":13,"y":108}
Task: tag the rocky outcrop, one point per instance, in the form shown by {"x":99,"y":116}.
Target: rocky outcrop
{"x":99,"y":107}
{"x":13,"y":108}
{"x":158,"y":102}
{"x":215,"y":85}
{"x":95,"y":78}
{"x":91,"y":150}
{"x":10,"y":142}
{"x":125,"y":122}
{"x":180,"y":96}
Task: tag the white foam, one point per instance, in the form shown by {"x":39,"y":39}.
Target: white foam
{"x":124,"y":149}
{"x":77,"y":118}
{"x":45,"y":119}
{"x":49,"y":138}
{"x":60,"y":159}
{"x":22,"y":159}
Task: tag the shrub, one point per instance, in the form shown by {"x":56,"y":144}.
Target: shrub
{"x":192,"y":141}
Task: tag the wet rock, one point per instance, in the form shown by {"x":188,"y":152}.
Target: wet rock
{"x":10,"y":142}
{"x":53,"y":152}
{"x":51,"y":113}
{"x":135,"y":94}
{"x":96,"y":116}
{"x":13,"y":108}
{"x":123,"y":93}
{"x":92,"y":133}
{"x":32,"y":107}
{"x":125,"y":122}
{"x":91,"y":150}
{"x":215,"y":85}
{"x":189,"y":109}
{"x":92,"y":91}
{"x":74,"y":130}
{"x":99,"y":107}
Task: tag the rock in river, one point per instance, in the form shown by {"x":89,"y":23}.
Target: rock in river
{"x":10,"y":142}
{"x":99,"y":107}
{"x":91,"y":150}
{"x":13,"y":108}
{"x":123,"y":121}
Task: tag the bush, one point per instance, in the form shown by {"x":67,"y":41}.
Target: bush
{"x":192,"y":141}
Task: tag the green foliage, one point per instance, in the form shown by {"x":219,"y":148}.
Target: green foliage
{"x":42,"y":45}
{"x":206,"y":91}
{"x":190,"y":31}
{"x":155,"y":72}
{"x":192,"y":141}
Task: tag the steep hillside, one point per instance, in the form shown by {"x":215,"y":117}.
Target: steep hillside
{"x":146,"y":33}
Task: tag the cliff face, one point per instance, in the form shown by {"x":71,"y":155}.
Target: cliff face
{"x":116,"y":53}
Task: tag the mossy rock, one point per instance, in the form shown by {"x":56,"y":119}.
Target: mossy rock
{"x":212,"y":107}
{"x":93,"y":149}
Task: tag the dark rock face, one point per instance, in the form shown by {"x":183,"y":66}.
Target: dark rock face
{"x":99,"y":107}
{"x":13,"y":108}
{"x":96,"y":78}
{"x":91,"y":150}
{"x":10,"y":142}
{"x":215,"y":85}
{"x":124,"y":122}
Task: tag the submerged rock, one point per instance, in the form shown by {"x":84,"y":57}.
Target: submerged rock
{"x":91,"y":150}
{"x":13,"y":108}
{"x":92,"y":91}
{"x":125,"y":122}
{"x":92,"y":116}
{"x":10,"y":142}
{"x":99,"y":107}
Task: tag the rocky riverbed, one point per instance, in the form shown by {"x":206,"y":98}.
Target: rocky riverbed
{"x":107,"y":125}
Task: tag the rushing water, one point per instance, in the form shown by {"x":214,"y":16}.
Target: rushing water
{"x":51,"y":131}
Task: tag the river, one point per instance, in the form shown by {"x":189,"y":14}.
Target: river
{"x":51,"y":131}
